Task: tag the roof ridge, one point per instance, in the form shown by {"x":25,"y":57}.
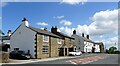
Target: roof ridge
{"x":43,"y":31}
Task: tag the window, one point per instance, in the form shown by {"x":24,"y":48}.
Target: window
{"x":45,"y":50}
{"x":59,"y":41}
{"x":16,"y":48}
{"x":45,"y":38}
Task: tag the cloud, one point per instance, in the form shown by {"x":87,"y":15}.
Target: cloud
{"x":65,"y":22}
{"x":74,"y":2}
{"x":59,"y":17}
{"x":103,"y":22}
{"x":42,"y":23}
{"x":111,"y":42}
{"x":67,"y":30}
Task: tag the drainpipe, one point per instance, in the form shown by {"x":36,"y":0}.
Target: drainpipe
{"x":50,"y":46}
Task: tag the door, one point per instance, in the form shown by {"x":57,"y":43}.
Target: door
{"x":61,"y":51}
{"x":65,"y":51}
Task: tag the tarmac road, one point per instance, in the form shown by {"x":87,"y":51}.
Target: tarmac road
{"x":84,"y":60}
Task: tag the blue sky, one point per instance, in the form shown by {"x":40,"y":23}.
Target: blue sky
{"x":48,"y":12}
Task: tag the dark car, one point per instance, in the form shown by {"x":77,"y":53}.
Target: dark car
{"x":19,"y":54}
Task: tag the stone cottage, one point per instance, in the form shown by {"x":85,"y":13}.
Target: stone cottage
{"x":67,"y":44}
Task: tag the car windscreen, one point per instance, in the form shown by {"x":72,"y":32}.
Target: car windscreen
{"x":21,"y":52}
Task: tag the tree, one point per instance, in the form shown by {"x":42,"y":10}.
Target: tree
{"x":112,"y":49}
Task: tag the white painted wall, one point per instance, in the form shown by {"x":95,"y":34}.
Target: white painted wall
{"x":79,"y":42}
{"x":88,"y":46}
{"x":97,"y":48}
{"x":6,"y":41}
{"x":23,"y":38}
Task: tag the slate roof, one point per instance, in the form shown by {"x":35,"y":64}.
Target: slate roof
{"x":1,"y":32}
{"x":4,"y":38}
{"x":40,"y":31}
{"x":99,"y":43}
{"x":63,"y":35}
{"x":85,"y":39}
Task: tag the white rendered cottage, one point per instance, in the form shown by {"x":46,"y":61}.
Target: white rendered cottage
{"x":83,"y":43}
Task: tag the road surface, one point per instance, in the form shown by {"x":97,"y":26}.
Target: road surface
{"x":85,"y":59}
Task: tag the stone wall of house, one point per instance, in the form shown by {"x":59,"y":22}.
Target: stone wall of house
{"x":69,"y":42}
{"x":54,"y":47}
{"x":40,"y":45}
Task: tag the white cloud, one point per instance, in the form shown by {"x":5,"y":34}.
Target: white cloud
{"x":104,"y":22}
{"x":42,"y":23}
{"x":42,"y":28}
{"x":59,"y":17}
{"x":67,"y":30}
{"x":111,"y":42}
{"x":65,"y":22}
{"x":74,"y":2}
{"x":62,"y":28}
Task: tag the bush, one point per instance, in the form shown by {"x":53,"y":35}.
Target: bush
{"x":114,"y":52}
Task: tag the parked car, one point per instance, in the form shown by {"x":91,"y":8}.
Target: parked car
{"x":75,"y":53}
{"x":19,"y":54}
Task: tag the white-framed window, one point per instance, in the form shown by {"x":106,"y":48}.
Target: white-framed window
{"x":45,"y":49}
{"x":59,"y":41}
{"x":45,"y":38}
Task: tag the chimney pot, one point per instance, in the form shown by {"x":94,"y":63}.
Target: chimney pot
{"x":25,"y":22}
{"x":54,"y":29}
{"x":74,"y":32}
{"x":24,"y":19}
{"x":82,"y":34}
{"x":9,"y":32}
{"x":87,"y":36}
{"x":45,"y":29}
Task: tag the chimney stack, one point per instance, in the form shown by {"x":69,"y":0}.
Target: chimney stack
{"x":74,"y":32}
{"x":9,"y":32}
{"x":82,"y":34}
{"x":45,"y":29}
{"x":54,"y":29}
{"x":87,"y":36}
{"x":25,"y":22}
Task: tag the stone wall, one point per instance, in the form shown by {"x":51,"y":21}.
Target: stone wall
{"x":4,"y":57}
{"x":54,"y":47}
{"x":40,"y":45}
